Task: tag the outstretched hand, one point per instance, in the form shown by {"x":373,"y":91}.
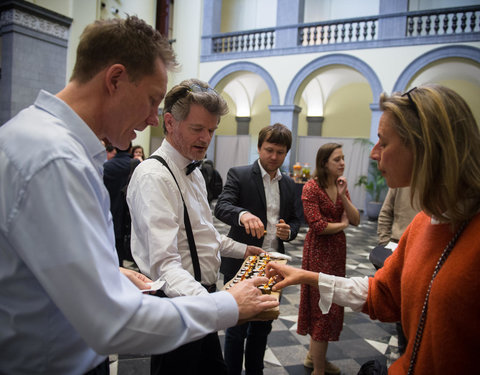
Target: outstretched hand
{"x":250,"y":299}
{"x":288,"y":275}
{"x":136,"y":278}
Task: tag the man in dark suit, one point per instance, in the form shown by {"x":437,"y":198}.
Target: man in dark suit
{"x":116,"y":173}
{"x":260,"y":205}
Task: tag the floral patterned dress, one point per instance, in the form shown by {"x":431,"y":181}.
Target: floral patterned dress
{"x":321,"y":253}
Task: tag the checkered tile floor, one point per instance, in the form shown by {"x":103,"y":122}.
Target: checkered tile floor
{"x":361,"y":339}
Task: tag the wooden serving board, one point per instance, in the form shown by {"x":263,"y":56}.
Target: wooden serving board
{"x":265,"y":315}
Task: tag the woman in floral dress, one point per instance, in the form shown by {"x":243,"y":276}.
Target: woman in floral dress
{"x":328,"y":211}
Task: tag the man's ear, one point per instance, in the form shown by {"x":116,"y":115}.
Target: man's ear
{"x":113,"y":76}
{"x":169,"y":121}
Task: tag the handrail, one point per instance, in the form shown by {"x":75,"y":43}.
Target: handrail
{"x":418,"y":24}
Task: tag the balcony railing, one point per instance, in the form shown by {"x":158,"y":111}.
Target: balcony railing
{"x":351,"y":30}
{"x":429,"y":26}
{"x":261,"y":39}
{"x":444,"y":22}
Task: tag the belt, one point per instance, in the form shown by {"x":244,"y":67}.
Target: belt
{"x":210,"y":288}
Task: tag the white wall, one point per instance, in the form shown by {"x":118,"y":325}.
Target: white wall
{"x":433,"y":4}
{"x":248,"y":14}
{"x":325,"y":10}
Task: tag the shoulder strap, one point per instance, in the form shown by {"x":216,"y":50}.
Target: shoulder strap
{"x":188,"y":226}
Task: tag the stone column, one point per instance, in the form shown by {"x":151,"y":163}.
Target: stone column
{"x":33,"y":56}
{"x":376,"y":114}
{"x":212,"y":18}
{"x":288,"y":116}
{"x":243,"y":125}
{"x":392,"y":27}
{"x":289,"y":13}
{"x":315,"y":125}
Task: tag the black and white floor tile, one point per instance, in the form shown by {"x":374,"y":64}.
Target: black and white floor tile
{"x":362,"y":339}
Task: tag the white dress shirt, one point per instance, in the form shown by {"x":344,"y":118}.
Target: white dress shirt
{"x":272,"y":197}
{"x":64,"y":305}
{"x":159,"y":239}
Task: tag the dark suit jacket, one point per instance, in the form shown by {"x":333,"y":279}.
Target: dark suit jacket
{"x":244,"y":191}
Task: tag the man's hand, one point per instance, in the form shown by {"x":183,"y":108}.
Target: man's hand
{"x":250,"y":299}
{"x":288,"y":275}
{"x":138,"y":279}
{"x":253,"y":250}
{"x":253,"y":225}
{"x":283,"y":230}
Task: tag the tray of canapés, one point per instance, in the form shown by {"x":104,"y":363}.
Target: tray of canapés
{"x":255,"y":266}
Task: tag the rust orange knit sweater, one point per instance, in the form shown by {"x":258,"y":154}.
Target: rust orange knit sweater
{"x":451,"y":338}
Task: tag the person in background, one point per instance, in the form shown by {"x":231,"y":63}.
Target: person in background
{"x":116,"y":172}
{"x":111,"y":151}
{"x":328,"y":211}
{"x":396,"y":214}
{"x":166,"y":200}
{"x":256,"y":198}
{"x":64,"y":304}
{"x":137,"y":153}
{"x":430,"y":141}
{"x":213,"y":180}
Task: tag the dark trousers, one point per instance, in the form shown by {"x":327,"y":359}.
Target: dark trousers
{"x":102,"y":369}
{"x":255,"y":334}
{"x":202,"y":357}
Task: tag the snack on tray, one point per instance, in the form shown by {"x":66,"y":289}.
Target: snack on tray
{"x":255,"y":266}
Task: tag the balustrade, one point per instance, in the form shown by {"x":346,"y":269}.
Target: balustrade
{"x":435,"y":22}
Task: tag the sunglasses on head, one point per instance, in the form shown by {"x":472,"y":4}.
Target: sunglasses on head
{"x":184,"y":91}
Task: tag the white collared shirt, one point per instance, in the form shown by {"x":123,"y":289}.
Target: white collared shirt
{"x":159,"y":240}
{"x":272,"y":198}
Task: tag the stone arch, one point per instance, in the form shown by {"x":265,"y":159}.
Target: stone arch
{"x":249,"y":67}
{"x":335,"y":59}
{"x":467,"y":52}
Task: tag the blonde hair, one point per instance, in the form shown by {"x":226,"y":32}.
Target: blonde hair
{"x":437,"y":125}
{"x":130,"y":42}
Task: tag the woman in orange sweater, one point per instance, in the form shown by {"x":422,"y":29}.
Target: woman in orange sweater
{"x":429,"y":140}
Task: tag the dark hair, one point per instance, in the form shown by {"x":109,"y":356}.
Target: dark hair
{"x":126,"y":150}
{"x":193,"y":91}
{"x":130,"y":42}
{"x":276,"y":133}
{"x":134,"y":148}
{"x":323,"y":154}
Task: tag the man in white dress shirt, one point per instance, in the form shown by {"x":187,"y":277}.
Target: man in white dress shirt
{"x":64,"y":305}
{"x":156,"y":197}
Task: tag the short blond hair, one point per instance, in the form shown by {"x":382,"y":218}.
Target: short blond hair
{"x":437,"y":125}
{"x":130,"y":42}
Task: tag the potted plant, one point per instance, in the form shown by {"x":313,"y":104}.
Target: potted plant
{"x":376,"y":188}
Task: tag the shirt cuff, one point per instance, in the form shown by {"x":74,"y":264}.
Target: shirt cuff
{"x":231,"y":248}
{"x":350,"y":292}
{"x":326,"y":285}
{"x":227,"y":309}
{"x":240,"y":216}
